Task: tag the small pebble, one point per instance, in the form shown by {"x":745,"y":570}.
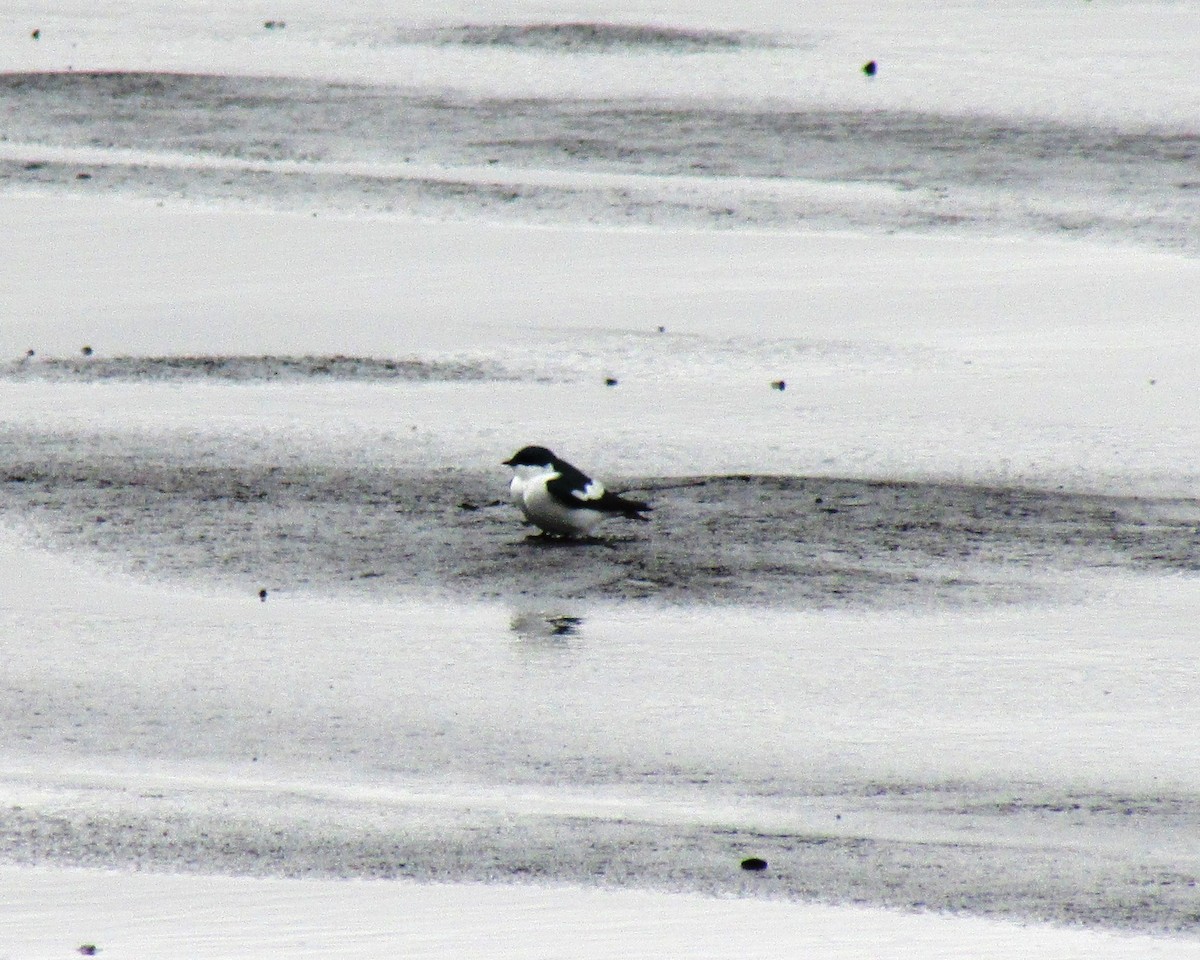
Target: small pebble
{"x":262,"y":595}
{"x":610,"y":381}
{"x":870,"y":68}
{"x":779,"y":385}
{"x":754,"y":863}
{"x":88,"y":949}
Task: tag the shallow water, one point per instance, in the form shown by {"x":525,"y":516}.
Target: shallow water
{"x":47,"y":912}
{"x":591,"y":692}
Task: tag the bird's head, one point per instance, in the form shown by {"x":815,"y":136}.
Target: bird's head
{"x":531,"y":457}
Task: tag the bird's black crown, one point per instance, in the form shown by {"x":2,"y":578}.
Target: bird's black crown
{"x":530,"y":457}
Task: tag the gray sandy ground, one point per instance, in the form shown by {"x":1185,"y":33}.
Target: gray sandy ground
{"x":962,"y":173}
{"x":239,"y":369}
{"x":204,"y":511}
{"x":1094,"y":860}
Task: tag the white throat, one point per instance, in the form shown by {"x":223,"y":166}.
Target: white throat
{"x":526,"y":471}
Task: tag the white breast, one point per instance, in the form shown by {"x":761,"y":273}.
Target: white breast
{"x":516,"y":491}
{"x":542,"y":509}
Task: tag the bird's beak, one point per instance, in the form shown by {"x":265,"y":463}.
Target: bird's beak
{"x":506,"y":463}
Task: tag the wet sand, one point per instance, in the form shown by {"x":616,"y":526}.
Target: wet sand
{"x":199,"y":509}
{"x":281,"y":141}
{"x":1096,"y":860}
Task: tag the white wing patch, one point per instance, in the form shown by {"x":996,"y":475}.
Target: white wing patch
{"x":593,"y":491}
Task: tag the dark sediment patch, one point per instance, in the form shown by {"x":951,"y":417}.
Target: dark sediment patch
{"x":241,"y":368}
{"x":236,"y":518}
{"x":1043,"y":177}
{"x":587,"y":37}
{"x":1050,"y":877}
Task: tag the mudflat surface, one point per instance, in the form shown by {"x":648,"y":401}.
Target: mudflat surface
{"x":203,"y":510}
{"x":975,"y":864}
{"x":1048,"y":177}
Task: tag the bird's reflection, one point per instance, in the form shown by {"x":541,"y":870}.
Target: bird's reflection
{"x":545,"y":626}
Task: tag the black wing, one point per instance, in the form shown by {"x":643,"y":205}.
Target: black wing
{"x":575,"y":489}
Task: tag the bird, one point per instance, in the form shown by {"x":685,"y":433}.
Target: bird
{"x":562,"y":499}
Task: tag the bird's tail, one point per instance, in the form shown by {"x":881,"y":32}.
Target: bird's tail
{"x":633,"y":510}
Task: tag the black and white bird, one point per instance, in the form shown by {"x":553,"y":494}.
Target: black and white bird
{"x":560,"y":498}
